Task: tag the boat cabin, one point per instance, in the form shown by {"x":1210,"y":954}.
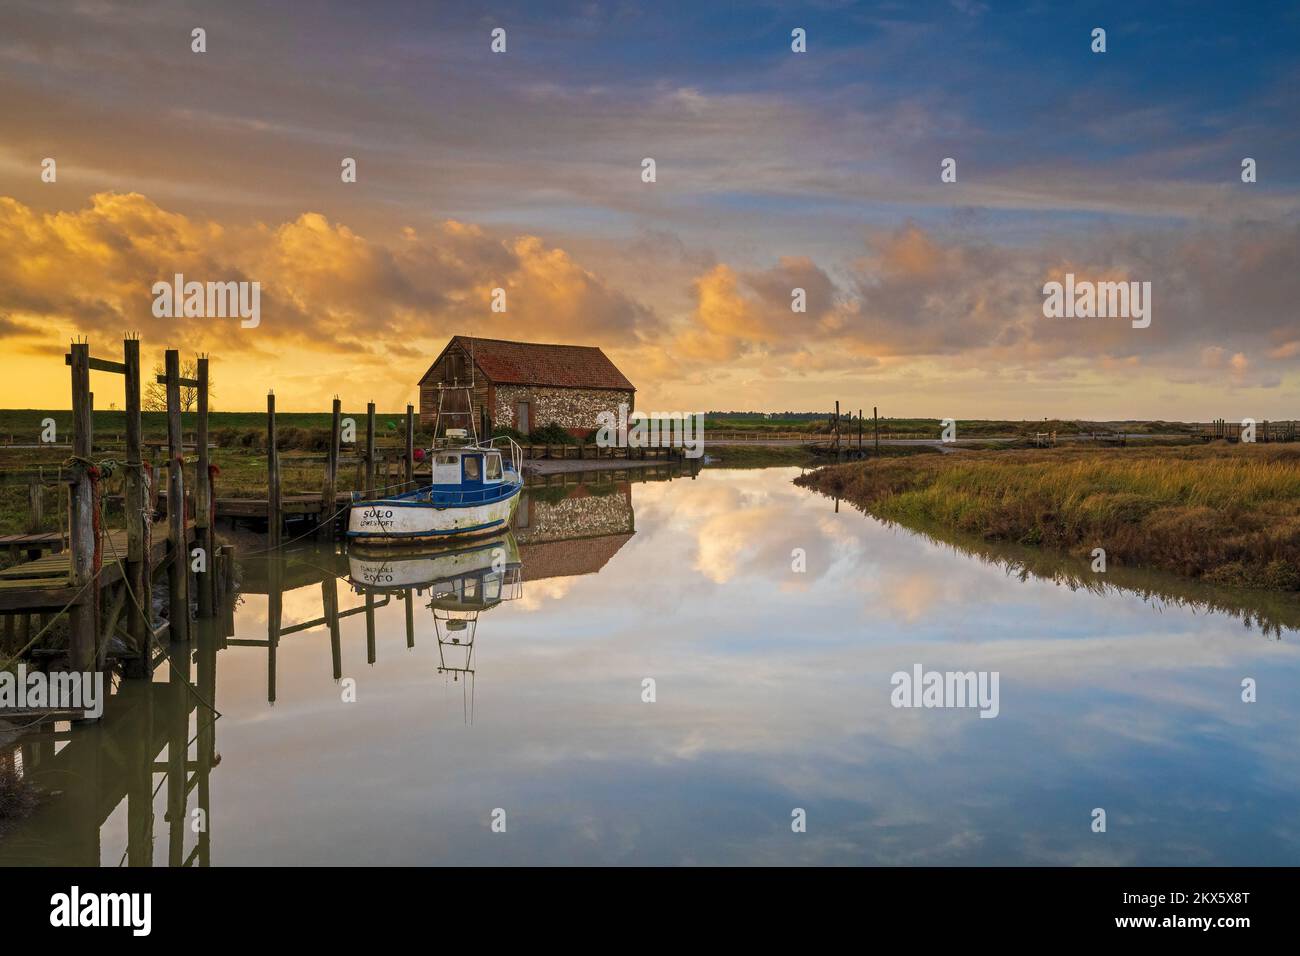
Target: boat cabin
{"x":466,"y":469}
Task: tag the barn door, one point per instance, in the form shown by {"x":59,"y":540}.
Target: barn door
{"x":523,"y":423}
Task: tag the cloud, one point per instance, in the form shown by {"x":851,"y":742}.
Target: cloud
{"x":751,"y":313}
{"x":324,"y":287}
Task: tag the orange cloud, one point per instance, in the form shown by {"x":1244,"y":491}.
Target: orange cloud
{"x":325,"y":289}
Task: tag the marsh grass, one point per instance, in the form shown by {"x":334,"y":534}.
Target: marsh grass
{"x":1230,"y":514}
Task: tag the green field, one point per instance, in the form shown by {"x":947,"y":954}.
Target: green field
{"x":23,"y":426}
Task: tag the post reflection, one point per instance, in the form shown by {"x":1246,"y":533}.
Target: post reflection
{"x":136,"y":788}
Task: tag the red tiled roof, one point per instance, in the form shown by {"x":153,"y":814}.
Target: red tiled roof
{"x":531,"y":363}
{"x":562,"y":559}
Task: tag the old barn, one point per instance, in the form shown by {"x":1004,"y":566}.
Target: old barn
{"x":526,"y":385}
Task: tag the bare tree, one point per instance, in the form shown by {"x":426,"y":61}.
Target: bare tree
{"x":154,"y":398}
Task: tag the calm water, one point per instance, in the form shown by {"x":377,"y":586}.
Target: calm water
{"x":772,"y":692}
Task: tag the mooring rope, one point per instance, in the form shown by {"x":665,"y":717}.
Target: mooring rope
{"x":39,"y":634}
{"x":312,"y":531}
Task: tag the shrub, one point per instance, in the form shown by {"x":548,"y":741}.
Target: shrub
{"x":551,"y":434}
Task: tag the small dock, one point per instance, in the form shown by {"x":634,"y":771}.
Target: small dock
{"x":96,"y":582}
{"x":46,"y":583}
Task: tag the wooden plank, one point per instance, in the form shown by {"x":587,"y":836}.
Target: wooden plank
{"x":100,"y":365}
{"x":32,"y":540}
{"x":181,"y":382}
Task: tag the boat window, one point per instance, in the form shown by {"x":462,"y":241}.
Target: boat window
{"x":471,"y":467}
{"x":493,"y":467}
{"x":446,"y":470}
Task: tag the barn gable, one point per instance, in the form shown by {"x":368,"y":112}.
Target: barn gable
{"x":533,"y":363}
{"x":526,"y":384}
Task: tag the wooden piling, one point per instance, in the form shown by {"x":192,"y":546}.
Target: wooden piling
{"x":177,"y":556}
{"x":138,"y":511}
{"x":410,"y":617}
{"x":370,"y":628}
{"x":274,"y":613}
{"x":178,"y":732}
{"x":84,"y":617}
{"x":274,"y":512}
{"x":410,"y":446}
{"x":330,"y":600}
{"x":203,"y":497}
{"x":35,"y":505}
{"x":139,"y":772}
{"x":329,"y":495}
{"x":370,"y":449}
{"x":875,"y":420}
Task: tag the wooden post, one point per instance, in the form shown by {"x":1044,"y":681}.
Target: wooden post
{"x":329,"y":496}
{"x":178,"y":577}
{"x":203,"y":496}
{"x":35,"y":505}
{"x":410,"y":617}
{"x":370,"y":450}
{"x":410,"y":445}
{"x":329,"y":592}
{"x":837,"y":428}
{"x":875,"y":419}
{"x":155,"y":486}
{"x":84,"y":616}
{"x":176,"y":715}
{"x":138,"y":576}
{"x":273,"y":513}
{"x":206,"y":659}
{"x":370,"y":628}
{"x":274,"y":613}
{"x":139,"y":786}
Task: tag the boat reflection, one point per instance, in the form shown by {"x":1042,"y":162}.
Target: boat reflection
{"x":461,"y":582}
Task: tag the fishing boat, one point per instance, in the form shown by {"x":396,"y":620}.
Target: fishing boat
{"x":474,"y":490}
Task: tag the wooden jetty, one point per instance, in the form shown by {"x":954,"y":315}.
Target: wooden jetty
{"x":102,"y":580}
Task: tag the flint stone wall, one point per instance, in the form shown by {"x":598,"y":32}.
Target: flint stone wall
{"x":574,"y":409}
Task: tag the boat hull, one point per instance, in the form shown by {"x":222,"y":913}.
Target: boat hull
{"x":402,"y":523}
{"x":430,"y":567}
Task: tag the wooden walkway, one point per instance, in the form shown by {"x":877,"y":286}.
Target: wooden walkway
{"x":43,"y":584}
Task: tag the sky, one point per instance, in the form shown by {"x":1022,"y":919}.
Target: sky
{"x":775,"y":170}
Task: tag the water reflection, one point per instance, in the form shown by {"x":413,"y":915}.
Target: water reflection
{"x":1272,"y":613}
{"x":461,"y":583}
{"x":773,"y":693}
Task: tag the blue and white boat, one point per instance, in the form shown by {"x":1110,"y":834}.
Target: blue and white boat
{"x":474,"y":491}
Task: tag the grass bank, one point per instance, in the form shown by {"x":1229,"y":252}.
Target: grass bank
{"x":1228,"y":514}
{"x":774,"y":456}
